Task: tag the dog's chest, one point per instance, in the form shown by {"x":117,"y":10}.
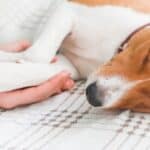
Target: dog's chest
{"x":98,"y":32}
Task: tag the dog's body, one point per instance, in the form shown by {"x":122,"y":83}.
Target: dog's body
{"x":97,"y":33}
{"x":86,"y":36}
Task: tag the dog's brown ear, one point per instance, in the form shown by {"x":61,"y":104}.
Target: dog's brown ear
{"x":141,"y":56}
{"x":144,"y":97}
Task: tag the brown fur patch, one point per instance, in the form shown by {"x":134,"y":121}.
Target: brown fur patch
{"x":134,"y":62}
{"x":136,"y":99}
{"x":140,"y":5}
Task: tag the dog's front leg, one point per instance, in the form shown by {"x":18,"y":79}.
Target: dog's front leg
{"x":31,"y":74}
{"x":58,"y":27}
{"x":10,"y":57}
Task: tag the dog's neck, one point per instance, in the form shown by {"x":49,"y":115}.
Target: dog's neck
{"x":125,"y":42}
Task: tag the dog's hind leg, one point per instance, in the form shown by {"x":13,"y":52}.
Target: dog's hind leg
{"x":45,"y":47}
{"x":60,"y":24}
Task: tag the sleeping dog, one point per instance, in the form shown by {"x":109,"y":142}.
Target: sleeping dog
{"x":88,"y":37}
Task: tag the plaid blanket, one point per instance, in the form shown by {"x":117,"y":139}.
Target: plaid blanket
{"x":67,"y":122}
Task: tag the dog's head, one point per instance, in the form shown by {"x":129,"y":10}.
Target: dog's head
{"x":124,"y":82}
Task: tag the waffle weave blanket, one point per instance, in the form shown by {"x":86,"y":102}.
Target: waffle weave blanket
{"x":68,"y":122}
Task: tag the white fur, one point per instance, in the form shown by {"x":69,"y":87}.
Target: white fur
{"x":115,"y":87}
{"x":86,"y":36}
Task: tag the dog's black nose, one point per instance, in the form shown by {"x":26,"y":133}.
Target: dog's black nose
{"x":91,"y":93}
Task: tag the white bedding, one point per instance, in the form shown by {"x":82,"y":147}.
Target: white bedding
{"x":24,"y":19}
{"x":68,"y":122}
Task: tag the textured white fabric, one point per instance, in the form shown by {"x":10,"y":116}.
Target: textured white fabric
{"x":24,"y":19}
{"x":68,"y":122}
